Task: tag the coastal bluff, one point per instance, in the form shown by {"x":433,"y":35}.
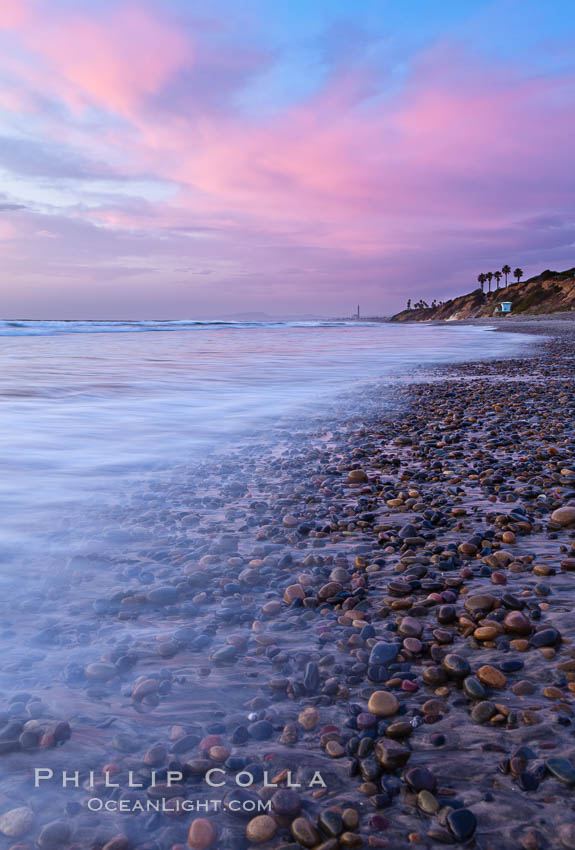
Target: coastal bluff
{"x":548,"y":292}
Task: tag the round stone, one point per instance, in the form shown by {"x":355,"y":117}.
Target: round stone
{"x":16,"y":822}
{"x":462,"y":824}
{"x":485,"y":633}
{"x":293,"y":592}
{"x":427,"y":802}
{"x":551,"y":692}
{"x":331,"y":822}
{"x":562,"y":769}
{"x":413,"y":645}
{"x":261,"y":829}
{"x":382,"y":704}
{"x":308,"y":718}
{"x":434,"y":676}
{"x":261,"y":730}
{"x":100,"y":671}
{"x":517,"y":623}
{"x":480,"y":602}
{"x":163,"y":595}
{"x":54,"y":835}
{"x":523,"y":688}
{"x":202,"y":834}
{"x":225,"y":655}
{"x":328,"y":590}
{"x":564,"y":516}
{"x":473,"y":688}
{"x":446,"y":614}
{"x":566,"y":834}
{"x":383,"y":654}
{"x":456,"y":666}
{"x":410,"y":627}
{"x":491,"y":677}
{"x":285,"y":801}
{"x":334,"y":749}
{"x":483,"y":712}
{"x":357,"y":476}
{"x":391,"y":754}
{"x":420,"y":779}
{"x":546,"y":637}
{"x":305,"y":832}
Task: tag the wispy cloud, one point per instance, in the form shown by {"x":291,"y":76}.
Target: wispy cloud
{"x":386,"y":178}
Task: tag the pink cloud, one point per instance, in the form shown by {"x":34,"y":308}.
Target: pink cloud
{"x":15,"y":13}
{"x":111,"y":59}
{"x":345,"y":183}
{"x":467,"y":152}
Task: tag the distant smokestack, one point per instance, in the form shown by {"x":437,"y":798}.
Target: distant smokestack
{"x":358,"y":311}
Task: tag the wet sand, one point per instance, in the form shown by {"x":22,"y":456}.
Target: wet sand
{"x":384,"y":598}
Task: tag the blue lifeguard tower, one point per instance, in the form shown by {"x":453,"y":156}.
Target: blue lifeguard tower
{"x":505,"y":307}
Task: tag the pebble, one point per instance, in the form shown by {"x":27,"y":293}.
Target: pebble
{"x":201,"y":834}
{"x":331,"y":822}
{"x":383,"y":654}
{"x":420,"y":779}
{"x":260,"y":829}
{"x":304,"y":832}
{"x":492,"y":677}
{"x":163,"y":595}
{"x":427,"y":802}
{"x":562,"y":769}
{"x":517,"y":623}
{"x":545,"y":637}
{"x":483,"y":711}
{"x":565,"y":516}
{"x":473,"y":688}
{"x":309,"y":718}
{"x":293,"y":592}
{"x":462,"y":823}
{"x":100,"y":671}
{"x":382,"y":704}
{"x":17,"y":822}
{"x":566,"y":835}
{"x":54,"y":835}
{"x":391,"y":754}
{"x":456,"y":666}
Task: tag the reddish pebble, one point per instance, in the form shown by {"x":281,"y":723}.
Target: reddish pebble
{"x":378,"y":822}
{"x":210,"y":741}
{"x":202,"y":834}
{"x":365,"y":720}
{"x":407,"y":685}
{"x":498,"y":578}
{"x":413,"y":645}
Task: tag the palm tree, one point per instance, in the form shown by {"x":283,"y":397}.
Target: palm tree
{"x":518,"y":273}
{"x":506,"y":270}
{"x":481,"y":280}
{"x":409,"y":303}
{"x":497,"y":276}
{"x":489,"y":277}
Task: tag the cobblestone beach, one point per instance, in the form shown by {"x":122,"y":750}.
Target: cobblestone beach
{"x":383,"y":598}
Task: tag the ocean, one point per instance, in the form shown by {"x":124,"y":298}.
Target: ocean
{"x":88,"y":406}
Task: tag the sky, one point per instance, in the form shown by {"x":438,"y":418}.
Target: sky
{"x":189,"y":158}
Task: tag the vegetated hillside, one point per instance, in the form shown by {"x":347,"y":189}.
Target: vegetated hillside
{"x":548,"y":292}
